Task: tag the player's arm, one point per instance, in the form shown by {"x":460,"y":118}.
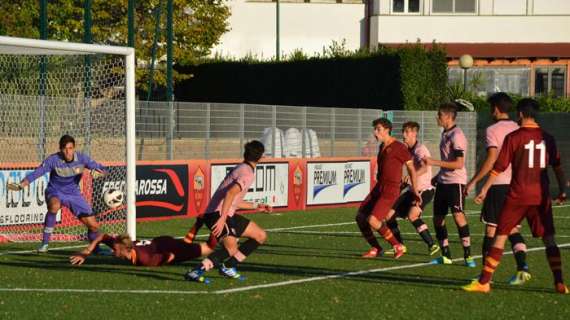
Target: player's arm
{"x":458,"y":163}
{"x":233,"y":191}
{"x":46,"y":166}
{"x":79,"y":258}
{"x":561,"y":179}
{"x":414,"y":180}
{"x":97,"y":170}
{"x":261,"y":207}
{"x":492,"y":154}
{"x":501,"y":164}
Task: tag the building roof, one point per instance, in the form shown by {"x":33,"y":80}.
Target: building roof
{"x":502,"y":50}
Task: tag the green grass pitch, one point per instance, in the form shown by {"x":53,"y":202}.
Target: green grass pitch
{"x":300,"y":273}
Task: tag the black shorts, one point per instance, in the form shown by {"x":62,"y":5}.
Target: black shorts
{"x":235,"y":225}
{"x":494,"y":203}
{"x":448,"y":196}
{"x":406,"y":200}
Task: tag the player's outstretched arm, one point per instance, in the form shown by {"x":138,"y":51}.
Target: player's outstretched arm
{"x":79,"y":258}
{"x":97,"y":169}
{"x":261,"y":207}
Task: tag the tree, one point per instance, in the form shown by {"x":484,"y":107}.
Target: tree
{"x":198,"y":26}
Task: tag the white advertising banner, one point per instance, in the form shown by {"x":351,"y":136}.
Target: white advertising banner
{"x":337,"y":182}
{"x":22,"y":207}
{"x":271,"y":184}
{"x":356,"y":181}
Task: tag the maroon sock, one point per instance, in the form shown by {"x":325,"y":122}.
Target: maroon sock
{"x":555,"y":262}
{"x":491,"y":263}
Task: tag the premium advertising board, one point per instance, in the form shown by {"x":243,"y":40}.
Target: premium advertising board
{"x":337,"y":182}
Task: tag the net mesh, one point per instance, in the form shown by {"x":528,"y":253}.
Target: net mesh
{"x":42,"y":98}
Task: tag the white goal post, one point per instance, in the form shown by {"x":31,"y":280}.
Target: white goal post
{"x":51,"y":88}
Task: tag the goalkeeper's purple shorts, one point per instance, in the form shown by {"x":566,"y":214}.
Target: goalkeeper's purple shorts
{"x":73,"y":201}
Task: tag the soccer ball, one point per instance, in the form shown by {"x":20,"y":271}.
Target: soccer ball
{"x":113,"y":198}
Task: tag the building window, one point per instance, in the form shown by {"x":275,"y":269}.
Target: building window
{"x":550,"y":80}
{"x":405,"y":6}
{"x":486,"y":80}
{"x":454,"y":6}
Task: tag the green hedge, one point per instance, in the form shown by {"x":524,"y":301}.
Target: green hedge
{"x":547,"y":103}
{"x":406,"y":78}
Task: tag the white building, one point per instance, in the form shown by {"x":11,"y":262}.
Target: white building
{"x":520,"y":46}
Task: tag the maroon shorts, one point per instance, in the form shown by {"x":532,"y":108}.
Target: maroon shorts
{"x":380,"y":201}
{"x":539,"y":217}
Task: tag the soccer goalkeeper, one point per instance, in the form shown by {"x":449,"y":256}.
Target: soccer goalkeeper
{"x":66,"y":169}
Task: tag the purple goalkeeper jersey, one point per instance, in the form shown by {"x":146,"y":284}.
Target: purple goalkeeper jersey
{"x":64,"y":176}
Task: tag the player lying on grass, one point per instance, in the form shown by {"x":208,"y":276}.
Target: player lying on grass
{"x":405,"y":207}
{"x":226,"y":225}
{"x":374,"y":210}
{"x":151,"y":253}
{"x":499,"y":103}
{"x":528,"y":150}
{"x":65,"y":168}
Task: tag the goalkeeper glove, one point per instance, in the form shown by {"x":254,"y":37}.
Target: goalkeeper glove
{"x":14,"y":186}
{"x":96,"y":174}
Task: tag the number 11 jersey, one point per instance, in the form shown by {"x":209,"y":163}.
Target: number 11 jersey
{"x":529,"y":150}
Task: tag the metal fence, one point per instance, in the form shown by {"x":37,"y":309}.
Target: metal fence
{"x":218,"y":130}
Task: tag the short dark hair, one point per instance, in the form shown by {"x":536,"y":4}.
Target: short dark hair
{"x":411,"y":125}
{"x":528,"y":107}
{"x":384,"y":122}
{"x":449,"y":107}
{"x":253,"y":151}
{"x":501,"y":101}
{"x":64,"y":140}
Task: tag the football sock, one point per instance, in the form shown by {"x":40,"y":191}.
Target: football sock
{"x":553,"y":257}
{"x":441,"y":235}
{"x":388,"y":236}
{"x":191,"y":234}
{"x":487,"y":243}
{"x":519,"y":251}
{"x":491,"y":262}
{"x":465,"y":240}
{"x":218,"y":256}
{"x":243,"y":252}
{"x":366,"y":231}
{"x":49,"y":224}
{"x":393,"y":225}
{"x":423,"y":231}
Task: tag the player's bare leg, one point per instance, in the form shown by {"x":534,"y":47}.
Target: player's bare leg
{"x":385,"y":232}
{"x":464,"y":235}
{"x":555,"y":263}
{"x":54,"y":205}
{"x":256,"y":237}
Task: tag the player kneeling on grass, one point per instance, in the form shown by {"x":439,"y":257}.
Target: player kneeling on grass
{"x":226,"y":225}
{"x":374,"y":210}
{"x":66,"y":169}
{"x":151,"y":253}
{"x":405,"y":207}
{"x":528,"y":151}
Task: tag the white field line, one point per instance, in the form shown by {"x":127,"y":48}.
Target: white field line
{"x":248,"y":288}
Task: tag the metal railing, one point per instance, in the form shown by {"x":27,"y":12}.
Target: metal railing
{"x":219,"y":130}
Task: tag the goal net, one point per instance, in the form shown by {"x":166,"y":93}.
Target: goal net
{"x":48,"y":89}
